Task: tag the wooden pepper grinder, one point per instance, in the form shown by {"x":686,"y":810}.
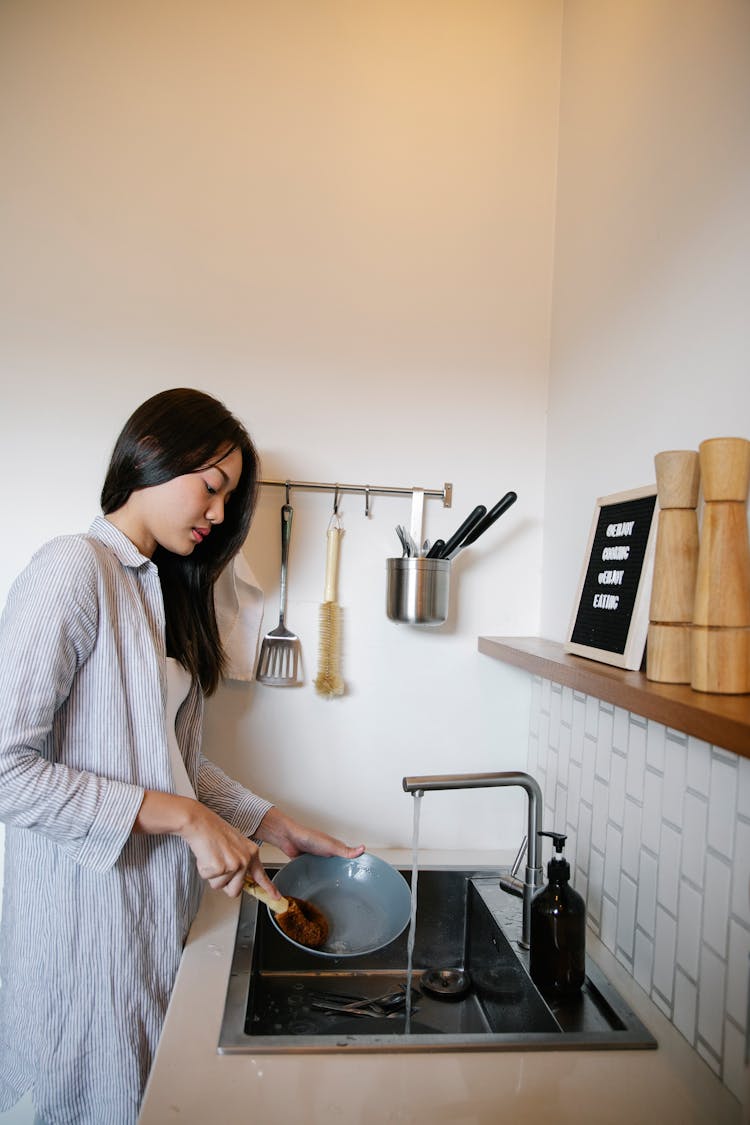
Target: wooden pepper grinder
{"x":721,"y":616}
{"x":675,"y":567}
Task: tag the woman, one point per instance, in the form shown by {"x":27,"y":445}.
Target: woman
{"x":113,"y":814}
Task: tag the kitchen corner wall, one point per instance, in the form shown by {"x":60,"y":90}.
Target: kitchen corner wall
{"x":658,"y":828}
{"x":649,"y":351}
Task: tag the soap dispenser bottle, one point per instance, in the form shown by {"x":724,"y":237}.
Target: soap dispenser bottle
{"x":557,"y":959}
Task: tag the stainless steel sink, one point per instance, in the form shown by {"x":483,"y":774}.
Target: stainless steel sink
{"x":465,"y":922}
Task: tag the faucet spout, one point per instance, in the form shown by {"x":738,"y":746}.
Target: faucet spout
{"x":533,"y":874}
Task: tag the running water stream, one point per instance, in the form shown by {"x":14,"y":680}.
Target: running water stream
{"x":413,"y":920}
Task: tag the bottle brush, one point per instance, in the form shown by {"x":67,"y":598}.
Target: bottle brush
{"x":329,"y":681}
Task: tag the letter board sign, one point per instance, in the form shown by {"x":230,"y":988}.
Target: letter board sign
{"x":610,"y":618}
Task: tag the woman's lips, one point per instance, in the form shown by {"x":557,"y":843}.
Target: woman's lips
{"x":200,"y":533}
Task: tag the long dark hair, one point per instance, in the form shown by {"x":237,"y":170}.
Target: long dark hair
{"x":174,"y":433}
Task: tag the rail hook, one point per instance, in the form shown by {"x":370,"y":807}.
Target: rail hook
{"x":367,"y":501}
{"x":335,"y":520}
{"x":287,"y":487}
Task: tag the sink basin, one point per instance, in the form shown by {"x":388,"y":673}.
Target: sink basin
{"x":465,"y":922}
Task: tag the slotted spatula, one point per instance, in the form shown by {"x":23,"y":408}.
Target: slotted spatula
{"x":279,"y":661}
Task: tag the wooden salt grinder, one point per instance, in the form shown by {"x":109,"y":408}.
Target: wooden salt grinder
{"x":675,"y":567}
{"x":721,"y":615}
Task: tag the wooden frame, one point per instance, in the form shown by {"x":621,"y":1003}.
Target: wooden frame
{"x":611,"y":611}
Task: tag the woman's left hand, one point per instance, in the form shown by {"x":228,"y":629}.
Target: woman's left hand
{"x":294,"y":839}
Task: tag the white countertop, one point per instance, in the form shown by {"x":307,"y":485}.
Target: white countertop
{"x":193,"y":1085}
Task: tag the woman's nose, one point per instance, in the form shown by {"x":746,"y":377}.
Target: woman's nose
{"x":215,"y":510}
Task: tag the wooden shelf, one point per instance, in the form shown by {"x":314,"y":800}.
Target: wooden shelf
{"x":723,"y":720}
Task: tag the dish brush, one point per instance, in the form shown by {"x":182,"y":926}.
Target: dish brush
{"x":329,"y":681}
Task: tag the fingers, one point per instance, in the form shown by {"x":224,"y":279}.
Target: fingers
{"x":256,"y":871}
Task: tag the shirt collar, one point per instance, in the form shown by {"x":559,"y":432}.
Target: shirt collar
{"x":117,"y":541}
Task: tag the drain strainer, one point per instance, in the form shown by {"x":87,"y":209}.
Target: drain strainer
{"x":445,"y":984}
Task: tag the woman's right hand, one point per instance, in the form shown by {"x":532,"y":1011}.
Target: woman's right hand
{"x":224,"y":857}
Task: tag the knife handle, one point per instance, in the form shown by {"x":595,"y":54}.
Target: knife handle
{"x":494,"y":513}
{"x":459,"y":535}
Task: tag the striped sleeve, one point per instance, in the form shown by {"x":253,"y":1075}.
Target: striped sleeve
{"x":47,"y":631}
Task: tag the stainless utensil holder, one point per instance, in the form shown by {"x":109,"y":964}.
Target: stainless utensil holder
{"x":418,"y":590}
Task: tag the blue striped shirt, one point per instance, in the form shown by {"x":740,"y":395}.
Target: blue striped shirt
{"x":94,"y":918}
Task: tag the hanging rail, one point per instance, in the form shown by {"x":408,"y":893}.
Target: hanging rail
{"x":445,"y":493}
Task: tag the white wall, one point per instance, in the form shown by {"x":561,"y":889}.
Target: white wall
{"x":649,"y":346}
{"x":337,"y":217}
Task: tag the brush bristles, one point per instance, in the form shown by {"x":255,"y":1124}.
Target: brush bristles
{"x":329,"y":681}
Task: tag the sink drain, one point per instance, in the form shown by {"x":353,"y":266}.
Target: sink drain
{"x":445,"y":984}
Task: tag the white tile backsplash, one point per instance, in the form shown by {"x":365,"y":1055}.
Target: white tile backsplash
{"x":651,"y":826}
{"x":587,"y":773}
{"x":599,"y":815}
{"x":631,"y":838}
{"x":669,"y":867}
{"x":628,"y":892}
{"x":722,"y":806}
{"x":608,"y":929}
{"x":578,"y":727}
{"x":685,"y":1007}
{"x":694,"y":838}
{"x":596,"y":886}
{"x":574,"y":793}
{"x":636,"y":760}
{"x":658,"y":830}
{"x":698,"y":766}
{"x":741,"y":873}
{"x":734,"y":1070}
{"x":592,"y":716}
{"x":617,"y":769}
{"x":689,"y":927}
{"x":649,"y":871}
{"x":566,"y":707}
{"x":737,"y":973}
{"x":584,"y":838}
{"x":643,"y":962}
{"x":612,"y":861}
{"x":711,"y":1000}
{"x":620,"y":727}
{"x":656,"y":737}
{"x":665,"y":945}
{"x":675,"y":773}
{"x":743,"y":788}
{"x":604,"y":742}
{"x":716,"y":904}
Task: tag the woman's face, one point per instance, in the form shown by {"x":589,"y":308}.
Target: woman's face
{"x":179,"y":514}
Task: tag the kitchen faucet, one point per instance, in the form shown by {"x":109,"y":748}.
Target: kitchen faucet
{"x":420,"y":785}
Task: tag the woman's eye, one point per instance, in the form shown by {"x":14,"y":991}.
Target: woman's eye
{"x":211,"y":491}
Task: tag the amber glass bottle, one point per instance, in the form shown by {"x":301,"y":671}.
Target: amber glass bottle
{"x":558,"y":929}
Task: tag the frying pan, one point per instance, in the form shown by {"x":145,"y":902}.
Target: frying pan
{"x":366,"y":901}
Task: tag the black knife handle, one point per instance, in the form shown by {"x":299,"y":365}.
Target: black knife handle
{"x":459,"y":535}
{"x":494,"y":513}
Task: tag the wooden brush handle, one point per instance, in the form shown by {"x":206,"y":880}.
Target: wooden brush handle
{"x":332,"y":563}
{"x":278,"y":905}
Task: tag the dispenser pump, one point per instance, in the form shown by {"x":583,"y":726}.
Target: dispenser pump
{"x":557,"y":958}
{"x":557,"y":869}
